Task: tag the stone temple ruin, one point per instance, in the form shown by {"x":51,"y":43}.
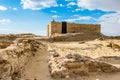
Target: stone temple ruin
{"x":64,"y":27}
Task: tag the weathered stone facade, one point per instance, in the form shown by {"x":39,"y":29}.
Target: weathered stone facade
{"x":59,"y":27}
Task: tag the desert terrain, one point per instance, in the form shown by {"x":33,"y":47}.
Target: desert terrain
{"x":33,"y":57}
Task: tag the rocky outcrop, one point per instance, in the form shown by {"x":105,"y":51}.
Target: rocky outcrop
{"x":15,"y":57}
{"x":75,"y":64}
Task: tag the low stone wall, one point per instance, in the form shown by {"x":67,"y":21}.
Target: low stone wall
{"x":14,"y":58}
{"x":75,"y":64}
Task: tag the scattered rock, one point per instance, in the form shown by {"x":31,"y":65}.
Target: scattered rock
{"x":81,"y":42}
{"x":14,"y":57}
{"x":75,"y":64}
{"x":56,"y":54}
{"x":113,"y":45}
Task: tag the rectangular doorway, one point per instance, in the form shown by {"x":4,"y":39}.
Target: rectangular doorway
{"x":64,"y":27}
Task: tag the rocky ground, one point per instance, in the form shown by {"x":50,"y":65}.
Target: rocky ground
{"x":32,"y":57}
{"x":80,"y":60}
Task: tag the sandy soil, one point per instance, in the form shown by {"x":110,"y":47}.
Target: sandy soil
{"x":93,"y":49}
{"x":37,"y":67}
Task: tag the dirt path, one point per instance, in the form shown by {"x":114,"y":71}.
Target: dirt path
{"x":37,"y":68}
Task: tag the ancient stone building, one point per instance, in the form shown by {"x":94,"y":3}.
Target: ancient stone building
{"x":64,"y":27}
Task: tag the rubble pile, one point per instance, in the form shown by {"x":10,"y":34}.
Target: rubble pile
{"x":113,"y":46}
{"x":4,"y":44}
{"x":76,"y":64}
{"x":15,"y":57}
{"x":6,"y":40}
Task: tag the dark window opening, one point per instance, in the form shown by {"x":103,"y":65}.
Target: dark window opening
{"x":64,"y":27}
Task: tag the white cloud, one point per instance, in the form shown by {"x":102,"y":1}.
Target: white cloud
{"x":55,"y":16}
{"x":110,"y":23}
{"x":5,"y":21}
{"x":70,"y":0}
{"x":78,"y":9}
{"x":110,"y":18}
{"x":38,"y":4}
{"x":79,"y":18}
{"x":71,"y":4}
{"x":76,"y":15}
{"x":119,"y":20}
{"x":105,"y":5}
{"x":3,"y":8}
{"x":53,"y":11}
{"x":15,"y":9}
{"x":61,"y":5}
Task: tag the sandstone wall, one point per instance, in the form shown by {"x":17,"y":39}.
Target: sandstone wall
{"x":75,"y":64}
{"x":56,"y":27}
{"x":49,"y":29}
{"x":76,"y":28}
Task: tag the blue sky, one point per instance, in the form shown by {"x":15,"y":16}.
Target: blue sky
{"x":32,"y":16}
